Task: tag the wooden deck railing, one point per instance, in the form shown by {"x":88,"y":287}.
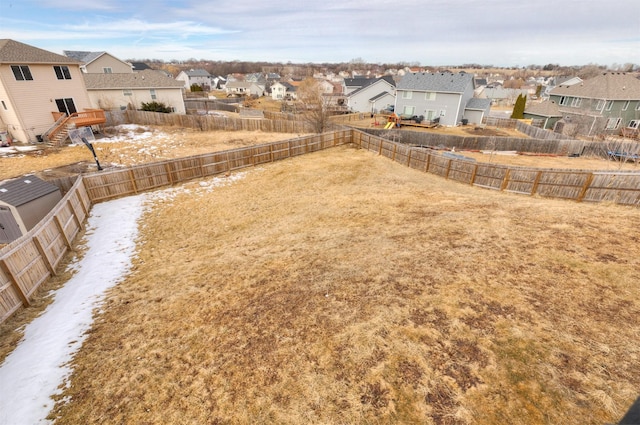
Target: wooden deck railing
{"x":88,"y":117}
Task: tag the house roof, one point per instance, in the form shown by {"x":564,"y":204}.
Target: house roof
{"x":372,"y":81}
{"x":25,"y":189}
{"x":364,"y":81}
{"x":547,"y":108}
{"x":139,"y":80}
{"x":479,"y":104}
{"x":82,"y":56}
{"x":12,"y":51}
{"x":446,"y":82}
{"x":380,"y":96}
{"x":197,"y":73}
{"x":139,"y":66}
{"x":609,"y":85}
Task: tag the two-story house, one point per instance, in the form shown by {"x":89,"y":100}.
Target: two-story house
{"x":443,"y":95}
{"x":198,"y":77}
{"x":41,"y":92}
{"x":99,"y":62}
{"x":600,"y":105}
{"x":376,"y":95}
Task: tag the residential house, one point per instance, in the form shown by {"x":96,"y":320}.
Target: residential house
{"x":198,"y":77}
{"x":130,"y":90}
{"x":99,"y":62}
{"x":600,"y":105}
{"x":373,"y":97}
{"x":283,"y":91}
{"x":244,"y":88}
{"x":442,"y":95}
{"x":546,"y":112}
{"x":40,"y":91}
{"x":352,"y":84}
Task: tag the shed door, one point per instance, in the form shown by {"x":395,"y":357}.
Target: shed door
{"x":9,"y":229}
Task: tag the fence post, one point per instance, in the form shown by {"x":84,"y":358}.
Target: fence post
{"x":427,"y":162}
{"x":505,"y":181}
{"x":585,"y":187}
{"x":395,"y":147}
{"x":14,"y":283}
{"x":166,"y":167}
{"x":133,"y":181}
{"x":473,"y":175}
{"x":448,"y":168}
{"x":534,"y":189}
{"x":409,"y":158}
{"x":45,"y":257}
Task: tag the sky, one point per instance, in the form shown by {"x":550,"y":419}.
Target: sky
{"x":33,"y":372}
{"x":429,"y":33}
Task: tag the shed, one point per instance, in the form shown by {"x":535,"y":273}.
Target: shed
{"x":23,"y":203}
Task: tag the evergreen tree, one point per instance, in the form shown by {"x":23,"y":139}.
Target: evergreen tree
{"x":518,"y":108}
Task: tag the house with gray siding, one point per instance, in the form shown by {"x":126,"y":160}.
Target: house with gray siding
{"x":432,"y":95}
{"x":198,"y":77}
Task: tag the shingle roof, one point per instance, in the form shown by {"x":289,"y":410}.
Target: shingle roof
{"x":476,"y":103}
{"x":547,"y":108}
{"x":144,"y":79}
{"x":24,"y":190}
{"x":197,"y":73}
{"x":84,"y":57}
{"x":610,"y":86}
{"x":446,"y":82}
{"x":380,"y":96}
{"x":12,"y":51}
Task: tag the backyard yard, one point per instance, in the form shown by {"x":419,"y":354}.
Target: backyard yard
{"x":341,"y":287}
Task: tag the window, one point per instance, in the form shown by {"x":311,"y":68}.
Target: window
{"x":429,"y":96}
{"x":408,"y":110}
{"x":564,"y":100}
{"x":152,"y":92}
{"x":600,"y":105}
{"x":407,"y":94}
{"x":609,"y":105}
{"x":107,"y":71}
{"x":626,"y":105}
{"x":576,"y":102}
{"x":638,"y":106}
{"x":21,"y":72}
{"x":634,"y":124}
{"x":127,"y":92}
{"x":62,"y":72}
{"x":613,"y":123}
{"x":4,"y":105}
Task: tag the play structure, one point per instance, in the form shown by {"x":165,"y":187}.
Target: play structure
{"x":396,"y":121}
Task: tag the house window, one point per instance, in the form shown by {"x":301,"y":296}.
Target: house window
{"x":407,"y":94}
{"x":66,"y":105}
{"x":564,"y":100}
{"x":626,"y":105}
{"x":429,"y":96}
{"x":127,"y":92}
{"x":21,"y":72}
{"x":107,"y":70}
{"x":609,"y":105}
{"x":576,"y":102}
{"x":4,"y":105}
{"x":600,"y":105}
{"x":62,"y":72}
{"x":635,"y":124}
{"x":408,"y":110}
{"x":613,"y":123}
{"x":430,"y":114}
{"x":152,"y":92}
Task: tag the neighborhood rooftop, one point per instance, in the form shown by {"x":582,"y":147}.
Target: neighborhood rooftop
{"x":12,"y":51}
{"x":438,"y":82}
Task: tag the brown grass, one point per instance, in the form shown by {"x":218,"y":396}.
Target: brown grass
{"x":340,"y":287}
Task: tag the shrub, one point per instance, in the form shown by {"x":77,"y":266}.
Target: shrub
{"x":156,"y":107}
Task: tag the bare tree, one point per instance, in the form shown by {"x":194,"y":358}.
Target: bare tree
{"x":316,"y":109}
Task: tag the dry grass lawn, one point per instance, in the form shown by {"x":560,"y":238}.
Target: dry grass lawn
{"x":342,"y":288}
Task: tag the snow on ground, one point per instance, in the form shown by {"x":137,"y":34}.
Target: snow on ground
{"x":33,"y":372}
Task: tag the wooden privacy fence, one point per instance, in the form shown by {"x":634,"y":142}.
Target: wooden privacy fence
{"x":30,"y":260}
{"x":579,"y":185}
